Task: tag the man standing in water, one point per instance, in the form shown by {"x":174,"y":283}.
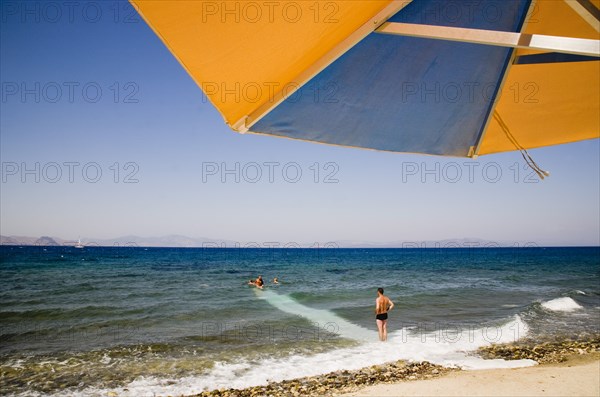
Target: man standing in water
{"x":383,"y":304}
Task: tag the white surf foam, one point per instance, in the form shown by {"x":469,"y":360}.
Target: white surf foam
{"x":325,"y":318}
{"x":448,"y":347}
{"x":564,"y":304}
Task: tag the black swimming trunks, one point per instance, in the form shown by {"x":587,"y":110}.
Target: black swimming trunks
{"x":381,"y":316}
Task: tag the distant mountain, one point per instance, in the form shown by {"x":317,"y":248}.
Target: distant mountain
{"x":446,"y":243}
{"x":46,"y":241}
{"x":175,"y":240}
{"x":136,"y":241}
{"x":17,"y":240}
{"x":5,"y":240}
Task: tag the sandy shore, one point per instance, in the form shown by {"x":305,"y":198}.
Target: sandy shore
{"x":578,"y":376}
{"x":568,"y":368}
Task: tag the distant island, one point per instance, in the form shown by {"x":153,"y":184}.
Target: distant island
{"x":179,"y":241}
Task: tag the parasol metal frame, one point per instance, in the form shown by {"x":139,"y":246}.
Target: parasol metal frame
{"x":568,"y":45}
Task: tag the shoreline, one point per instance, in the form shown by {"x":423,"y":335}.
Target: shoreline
{"x":575,"y":377}
{"x":393,"y":378}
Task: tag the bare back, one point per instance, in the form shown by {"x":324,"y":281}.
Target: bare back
{"x":382,"y":304}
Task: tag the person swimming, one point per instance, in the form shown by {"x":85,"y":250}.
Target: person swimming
{"x":259,"y":282}
{"x":275,"y":281}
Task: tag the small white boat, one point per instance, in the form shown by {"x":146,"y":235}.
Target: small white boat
{"x":79,"y":245}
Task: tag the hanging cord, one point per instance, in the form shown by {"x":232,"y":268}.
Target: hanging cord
{"x":530,"y":162}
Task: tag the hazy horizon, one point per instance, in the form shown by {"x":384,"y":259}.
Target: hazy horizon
{"x":131,"y":146}
{"x":181,"y":241}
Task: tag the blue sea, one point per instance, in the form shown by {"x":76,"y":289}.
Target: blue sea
{"x":171,"y":321}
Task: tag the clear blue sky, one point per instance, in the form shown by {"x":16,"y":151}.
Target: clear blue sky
{"x":168,"y":132}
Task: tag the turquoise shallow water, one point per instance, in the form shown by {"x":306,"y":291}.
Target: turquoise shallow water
{"x":83,"y":321}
